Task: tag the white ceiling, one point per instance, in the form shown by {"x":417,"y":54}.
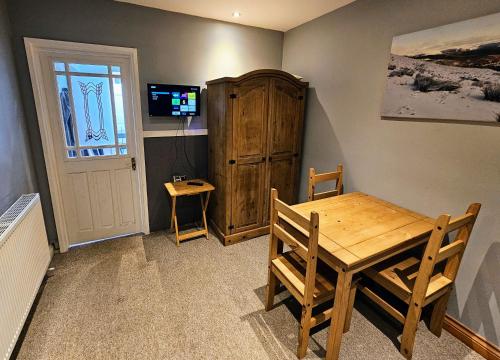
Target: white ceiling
{"x":280,"y":15}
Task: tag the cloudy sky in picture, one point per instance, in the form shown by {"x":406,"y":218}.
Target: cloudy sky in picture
{"x":465,"y":34}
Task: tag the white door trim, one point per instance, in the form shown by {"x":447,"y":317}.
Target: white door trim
{"x":34,"y":48}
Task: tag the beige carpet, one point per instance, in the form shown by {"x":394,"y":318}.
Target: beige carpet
{"x":144,"y":298}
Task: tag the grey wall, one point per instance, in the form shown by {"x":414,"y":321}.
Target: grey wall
{"x":172,"y":48}
{"x":425,"y":166}
{"x":15,"y":163}
{"x":161,"y":164}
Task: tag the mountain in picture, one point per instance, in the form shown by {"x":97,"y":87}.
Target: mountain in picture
{"x":451,"y":72}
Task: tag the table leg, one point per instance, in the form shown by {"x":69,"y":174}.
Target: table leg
{"x":174,"y":220}
{"x":176,"y":231}
{"x":174,"y":200}
{"x":204,"y":206}
{"x":340,"y":309}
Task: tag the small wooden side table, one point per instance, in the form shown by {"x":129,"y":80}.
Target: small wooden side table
{"x":182,"y":188}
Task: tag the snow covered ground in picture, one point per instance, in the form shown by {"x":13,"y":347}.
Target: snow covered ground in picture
{"x":451,"y":72}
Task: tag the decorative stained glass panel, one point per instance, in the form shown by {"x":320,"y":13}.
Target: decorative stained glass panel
{"x":93,"y":110}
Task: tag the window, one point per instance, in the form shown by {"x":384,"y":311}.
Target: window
{"x":92,"y":109}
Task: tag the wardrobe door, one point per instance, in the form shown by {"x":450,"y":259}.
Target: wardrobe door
{"x":250,"y":111}
{"x":285,"y":127}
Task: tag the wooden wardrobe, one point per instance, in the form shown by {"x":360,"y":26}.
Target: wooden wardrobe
{"x":254,"y":144}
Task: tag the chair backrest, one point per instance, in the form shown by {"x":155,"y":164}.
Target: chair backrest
{"x":282,"y":213}
{"x":318,"y":178}
{"x":435,"y":252}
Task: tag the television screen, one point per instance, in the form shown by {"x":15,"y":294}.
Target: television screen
{"x":173,"y":100}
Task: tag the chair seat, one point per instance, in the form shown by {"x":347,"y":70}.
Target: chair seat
{"x":399,"y":278}
{"x":291,"y":270}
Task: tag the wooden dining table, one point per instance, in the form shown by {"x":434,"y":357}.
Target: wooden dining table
{"x":358,"y":231}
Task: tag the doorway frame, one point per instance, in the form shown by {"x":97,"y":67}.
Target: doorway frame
{"x":34,"y":49}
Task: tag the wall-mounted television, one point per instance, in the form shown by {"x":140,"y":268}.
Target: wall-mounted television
{"x":173,"y":100}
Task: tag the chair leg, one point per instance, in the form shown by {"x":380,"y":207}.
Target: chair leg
{"x":438,"y":313}
{"x":279,"y":248}
{"x":305,"y":327}
{"x":272,"y":284}
{"x":348,"y":316}
{"x":410,"y":330}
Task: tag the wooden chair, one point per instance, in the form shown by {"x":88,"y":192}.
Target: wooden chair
{"x":297,"y":269}
{"x":418,"y":281}
{"x":318,"y":178}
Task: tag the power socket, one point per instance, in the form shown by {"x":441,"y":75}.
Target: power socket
{"x":178,"y":178}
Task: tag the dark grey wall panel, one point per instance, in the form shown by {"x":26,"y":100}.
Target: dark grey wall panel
{"x":15,"y":158}
{"x":161,"y":165}
{"x":172,"y":48}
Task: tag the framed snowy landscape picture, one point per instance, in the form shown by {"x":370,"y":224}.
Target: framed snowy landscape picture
{"x":451,"y":72}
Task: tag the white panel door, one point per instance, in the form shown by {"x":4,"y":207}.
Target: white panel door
{"x":91,"y":121}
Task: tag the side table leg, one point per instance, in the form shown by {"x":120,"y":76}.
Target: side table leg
{"x":204,"y":206}
{"x":174,"y":219}
{"x":174,"y":200}
{"x":176,"y":231}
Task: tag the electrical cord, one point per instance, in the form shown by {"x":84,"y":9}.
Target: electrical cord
{"x":175,"y":147}
{"x":193,"y":169}
{"x":176,"y":157}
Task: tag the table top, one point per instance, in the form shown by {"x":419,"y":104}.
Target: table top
{"x":182,"y":188}
{"x":358,"y":230}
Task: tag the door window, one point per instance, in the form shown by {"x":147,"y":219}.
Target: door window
{"x":92,"y":109}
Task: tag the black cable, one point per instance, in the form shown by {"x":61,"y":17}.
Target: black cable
{"x":175,"y":147}
{"x":193,"y":169}
{"x":176,"y":157}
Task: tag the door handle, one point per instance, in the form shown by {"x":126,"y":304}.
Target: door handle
{"x":134,"y":165}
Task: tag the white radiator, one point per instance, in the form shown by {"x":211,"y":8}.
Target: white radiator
{"x":24,"y":259}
